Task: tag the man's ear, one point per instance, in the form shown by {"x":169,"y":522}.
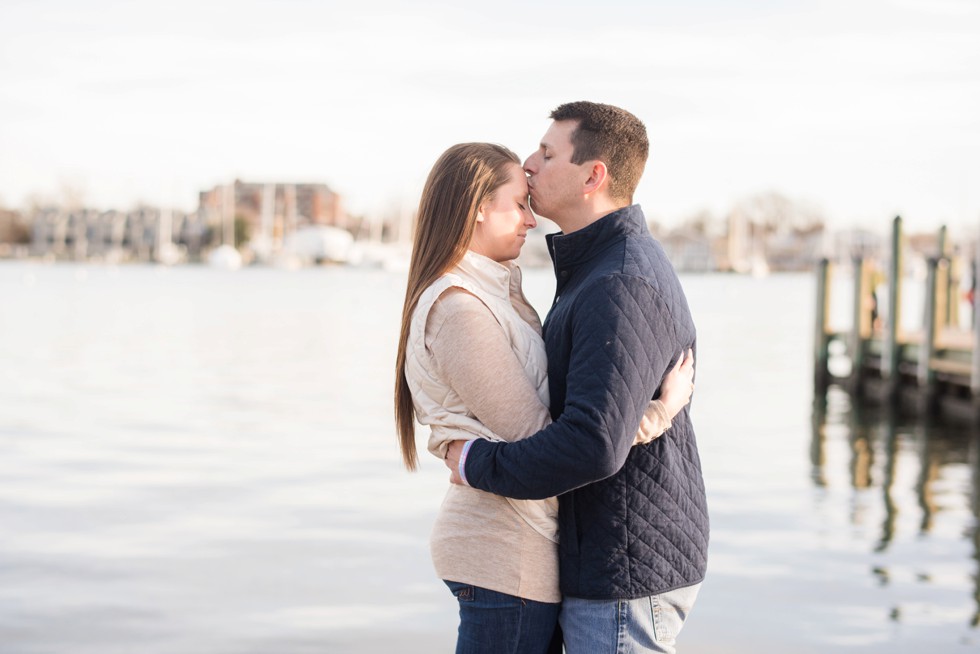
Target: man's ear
{"x":598,"y":178}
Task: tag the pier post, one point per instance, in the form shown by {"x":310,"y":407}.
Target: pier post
{"x":943,"y":268}
{"x":821,"y":375}
{"x":925,"y":375}
{"x":890,"y":354}
{"x":945,"y":307}
{"x":975,"y":361}
{"x":953,"y":291}
{"x":860,"y":326}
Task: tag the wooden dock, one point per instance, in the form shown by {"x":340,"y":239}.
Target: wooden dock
{"x":934,"y":370}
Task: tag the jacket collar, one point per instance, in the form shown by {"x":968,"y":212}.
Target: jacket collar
{"x":490,"y":276}
{"x":571,"y":250}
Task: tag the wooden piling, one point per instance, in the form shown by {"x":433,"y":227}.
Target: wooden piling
{"x":860,"y":325}
{"x":927,"y":349}
{"x":890,"y":355}
{"x":821,"y":355}
{"x":937,"y":368}
{"x":942,"y":295}
{"x":975,"y":361}
{"x":944,"y":306}
{"x":953,"y":291}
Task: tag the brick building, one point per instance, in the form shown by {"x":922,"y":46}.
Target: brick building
{"x":273,"y":210}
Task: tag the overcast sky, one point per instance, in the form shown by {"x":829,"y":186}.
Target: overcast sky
{"x":865,"y":108}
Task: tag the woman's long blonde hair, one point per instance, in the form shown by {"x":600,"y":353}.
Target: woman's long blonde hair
{"x":461,"y":181}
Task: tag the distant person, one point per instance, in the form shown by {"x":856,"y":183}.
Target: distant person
{"x":471,"y":364}
{"x":633,"y":522}
{"x":875,"y":279}
{"x":875,"y":318}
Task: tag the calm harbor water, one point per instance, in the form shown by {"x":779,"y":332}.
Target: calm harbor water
{"x":195,"y":461}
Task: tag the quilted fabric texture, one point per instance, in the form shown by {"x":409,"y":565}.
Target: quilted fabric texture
{"x":633,"y":520}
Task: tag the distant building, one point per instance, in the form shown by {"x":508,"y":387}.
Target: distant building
{"x":233,"y":213}
{"x":143,"y":234}
{"x":12,"y":227}
{"x":271,"y":211}
{"x":795,"y":250}
{"x":859,"y":242}
{"x":689,"y":250}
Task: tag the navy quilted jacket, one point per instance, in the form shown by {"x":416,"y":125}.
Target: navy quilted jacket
{"x":633,"y":521}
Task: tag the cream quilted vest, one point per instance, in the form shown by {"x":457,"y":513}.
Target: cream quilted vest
{"x":498,"y":286}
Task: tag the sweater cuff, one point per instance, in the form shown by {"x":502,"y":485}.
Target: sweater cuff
{"x":462,"y":461}
{"x":653,"y":424}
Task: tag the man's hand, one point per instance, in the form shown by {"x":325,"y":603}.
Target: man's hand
{"x":452,"y":461}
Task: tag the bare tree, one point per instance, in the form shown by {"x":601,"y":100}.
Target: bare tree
{"x":72,"y":195}
{"x":774,"y":213}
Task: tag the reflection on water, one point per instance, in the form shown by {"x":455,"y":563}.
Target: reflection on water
{"x":199,"y":462}
{"x":913,"y":497}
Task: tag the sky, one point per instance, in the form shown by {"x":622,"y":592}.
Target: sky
{"x":863,"y":109}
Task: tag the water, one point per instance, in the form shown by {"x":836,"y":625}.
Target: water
{"x":195,"y":461}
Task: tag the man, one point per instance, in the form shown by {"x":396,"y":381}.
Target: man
{"x":633,"y":521}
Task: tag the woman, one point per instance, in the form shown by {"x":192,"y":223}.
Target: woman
{"x":471,"y":364}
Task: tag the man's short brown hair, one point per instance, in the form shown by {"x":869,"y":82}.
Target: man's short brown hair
{"x":612,"y":135}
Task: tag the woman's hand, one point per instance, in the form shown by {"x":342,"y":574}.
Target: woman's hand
{"x":676,"y":390}
{"x":675,"y":393}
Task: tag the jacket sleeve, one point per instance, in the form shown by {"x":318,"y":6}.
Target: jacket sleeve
{"x":622,"y":342}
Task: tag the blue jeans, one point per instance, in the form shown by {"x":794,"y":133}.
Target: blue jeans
{"x":497,"y":623}
{"x":648,"y":624}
